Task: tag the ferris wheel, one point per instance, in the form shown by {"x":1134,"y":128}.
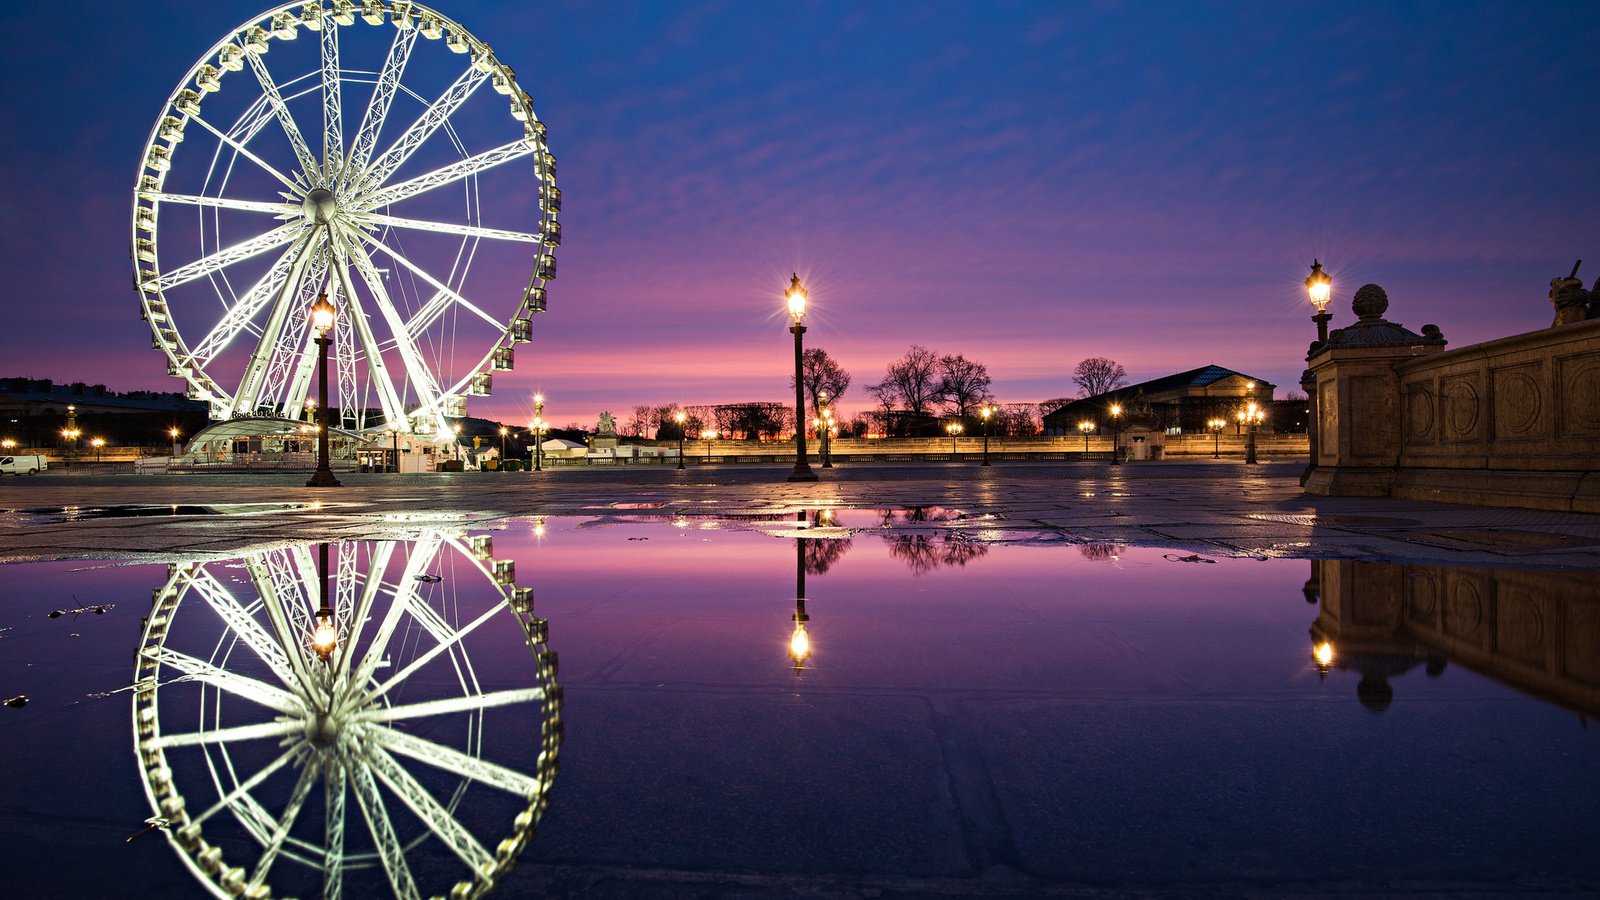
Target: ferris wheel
{"x":387,"y":738}
{"x":373,"y":151}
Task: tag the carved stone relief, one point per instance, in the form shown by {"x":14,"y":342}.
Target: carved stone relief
{"x":1578,"y":380}
{"x":1462,"y":416}
{"x":1518,"y":402}
{"x":1419,"y":413}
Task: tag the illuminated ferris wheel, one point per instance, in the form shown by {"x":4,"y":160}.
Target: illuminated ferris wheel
{"x":373,"y":151}
{"x":389,"y":723}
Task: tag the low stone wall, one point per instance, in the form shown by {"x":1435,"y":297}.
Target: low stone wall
{"x":1510,"y":422}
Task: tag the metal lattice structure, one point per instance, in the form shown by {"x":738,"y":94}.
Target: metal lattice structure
{"x":346,"y":147}
{"x":339,"y":771}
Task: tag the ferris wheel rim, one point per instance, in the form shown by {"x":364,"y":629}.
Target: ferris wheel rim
{"x":415,"y":393}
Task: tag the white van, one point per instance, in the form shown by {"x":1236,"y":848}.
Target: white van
{"x":22,"y":465}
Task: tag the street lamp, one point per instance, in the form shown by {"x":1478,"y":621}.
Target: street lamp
{"x":679,"y":417}
{"x":987,"y":412}
{"x":538,"y":429}
{"x":799,"y":641}
{"x":1216,"y":426}
{"x":7,"y":444}
{"x":322,"y":314}
{"x":1085,"y":427}
{"x":1116,"y":432}
{"x":503,"y":432}
{"x":97,"y":443}
{"x":954,"y":428}
{"x":796,"y":298}
{"x":1251,"y":416}
{"x":324,"y":631}
{"x":1319,"y":287}
{"x":825,"y":428}
{"x":709,"y":434}
{"x":394,"y":445}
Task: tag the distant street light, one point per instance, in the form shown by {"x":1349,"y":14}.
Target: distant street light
{"x":7,"y":444}
{"x":954,"y":428}
{"x":1251,"y":416}
{"x":538,"y":429}
{"x":1085,"y":427}
{"x":503,"y":432}
{"x":173,"y":433}
{"x":796,"y":298}
{"x":1116,"y":432}
{"x":679,"y":417}
{"x":97,"y":443}
{"x":1216,"y":426}
{"x":1319,"y":287}
{"x":825,"y":428}
{"x":987,"y":412}
{"x":324,"y":631}
{"x":322,"y":314}
{"x":709,"y":434}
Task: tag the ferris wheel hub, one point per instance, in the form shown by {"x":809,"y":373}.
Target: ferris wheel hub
{"x":320,"y":206}
{"x":322,"y":729}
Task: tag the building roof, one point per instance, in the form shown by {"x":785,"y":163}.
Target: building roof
{"x":1204,"y":376}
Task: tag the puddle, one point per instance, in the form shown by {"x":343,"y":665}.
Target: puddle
{"x":51,"y":515}
{"x":803,"y":693}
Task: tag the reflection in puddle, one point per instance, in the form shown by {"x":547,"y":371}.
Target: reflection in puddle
{"x":938,"y":708}
{"x":57,"y":515}
{"x":1536,"y":631}
{"x":325,"y":728}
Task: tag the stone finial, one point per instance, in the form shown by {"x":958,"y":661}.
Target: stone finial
{"x":1370,"y":302}
{"x":1569,"y":298}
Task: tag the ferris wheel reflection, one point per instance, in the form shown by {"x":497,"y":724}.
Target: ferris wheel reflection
{"x":402,"y":733}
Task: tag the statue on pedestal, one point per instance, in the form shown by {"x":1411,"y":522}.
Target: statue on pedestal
{"x":1573,"y":304}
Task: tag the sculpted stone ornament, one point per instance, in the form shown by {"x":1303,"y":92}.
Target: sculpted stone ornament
{"x":1373,"y":330}
{"x":1573,"y":304}
{"x":608,"y":424}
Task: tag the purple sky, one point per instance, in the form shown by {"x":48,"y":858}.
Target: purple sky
{"x":1027,"y":184}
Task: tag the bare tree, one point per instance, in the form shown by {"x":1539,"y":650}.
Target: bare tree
{"x":1046,"y":407}
{"x":963,"y":384}
{"x":914,"y":379}
{"x":1097,"y":375}
{"x":819,"y":372}
{"x":883,"y":392}
{"x":1017,"y":419}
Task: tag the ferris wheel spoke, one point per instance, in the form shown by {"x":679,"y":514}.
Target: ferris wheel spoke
{"x":251,"y":384}
{"x":246,"y":152}
{"x":420,"y":560}
{"x":232,"y":735}
{"x":437,"y":649}
{"x":227,"y":256}
{"x":239,"y":800}
{"x":241,"y":623}
{"x":293,"y":357}
{"x":265,"y":206}
{"x":243,"y":686}
{"x":265,"y":578}
{"x":449,"y":174}
{"x":332,"y":126}
{"x":333,"y":833}
{"x":446,"y":706}
{"x":390,"y":853}
{"x":456,"y":762}
{"x":286,"y":820}
{"x":472,"y":231}
{"x":269,"y":89}
{"x":245,"y":308}
{"x":432,"y":282}
{"x":376,"y":566}
{"x":418,"y":375}
{"x":436,"y":115}
{"x":438,"y":819}
{"x":382,"y":96}
{"x":377,"y":368}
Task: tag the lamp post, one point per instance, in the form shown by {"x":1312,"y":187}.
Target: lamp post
{"x":71,"y":432}
{"x":1085,"y":427}
{"x":322,"y":314}
{"x":1251,"y":416}
{"x":394,"y":445}
{"x":1216,"y":426}
{"x":324,"y":631}
{"x":538,"y":430}
{"x":1319,"y":287}
{"x":796,"y":298}
{"x":987,"y":412}
{"x":709,"y":434}
{"x":799,"y":641}
{"x":1116,"y":432}
{"x":97,"y":443}
{"x":503,"y":432}
{"x":825,"y":428}
{"x":173,"y":433}
{"x":679,"y":417}
{"x":954,"y":428}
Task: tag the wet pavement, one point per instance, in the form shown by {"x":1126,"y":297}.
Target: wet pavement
{"x":1217,"y":508}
